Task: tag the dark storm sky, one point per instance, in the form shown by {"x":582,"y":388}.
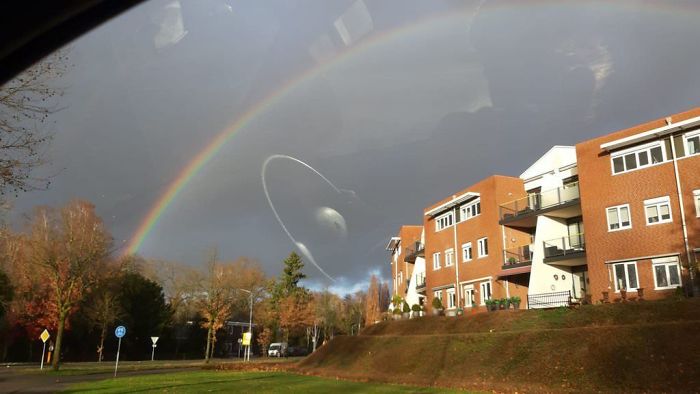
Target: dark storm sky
{"x":484,"y":88}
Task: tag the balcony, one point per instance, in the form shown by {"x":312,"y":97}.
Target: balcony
{"x":566,"y":250}
{"x":417,"y":250}
{"x":560,"y":202}
{"x":518,"y":256}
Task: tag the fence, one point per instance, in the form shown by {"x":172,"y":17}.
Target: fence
{"x":549,"y":300}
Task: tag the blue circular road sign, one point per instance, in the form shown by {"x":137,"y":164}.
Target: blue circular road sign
{"x":120,"y":331}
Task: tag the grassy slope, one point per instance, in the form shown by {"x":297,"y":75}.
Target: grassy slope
{"x":641,"y":346}
{"x":239,"y":382}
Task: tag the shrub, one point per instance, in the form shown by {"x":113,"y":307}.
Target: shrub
{"x":502,"y":302}
{"x":512,"y":260}
{"x":415,"y":308}
{"x":405,"y":307}
{"x":514,"y":299}
{"x":437,"y":304}
{"x":396,"y":311}
{"x":489,"y":302}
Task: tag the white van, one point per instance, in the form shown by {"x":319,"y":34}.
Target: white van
{"x":277,"y":349}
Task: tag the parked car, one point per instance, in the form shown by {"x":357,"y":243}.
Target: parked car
{"x":277,"y":349}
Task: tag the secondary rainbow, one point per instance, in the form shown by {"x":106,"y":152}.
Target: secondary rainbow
{"x":196,"y":164}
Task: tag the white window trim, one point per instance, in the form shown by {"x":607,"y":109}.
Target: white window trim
{"x":481,"y":291}
{"x":480,"y":249}
{"x":466,"y":207}
{"x":666,"y":261}
{"x":657,"y":202}
{"x":471,"y":252}
{"x":639,"y":148}
{"x":607,"y":218}
{"x":437,"y":294}
{"x":696,"y":201}
{"x":450,"y":252}
{"x":466,"y":288}
{"x":636,"y":273}
{"x":444,"y":215}
{"x":447,"y":293}
{"x":436,"y":266}
{"x":686,"y":137}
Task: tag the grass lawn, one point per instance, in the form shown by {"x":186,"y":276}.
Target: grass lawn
{"x":240,"y":382}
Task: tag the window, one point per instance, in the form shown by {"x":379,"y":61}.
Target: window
{"x":467,"y":252}
{"x":645,"y":156}
{"x":485,"y":292}
{"x":443,"y":221}
{"x":449,"y":257}
{"x":692,"y":143}
{"x":657,"y":210}
{"x":696,"y":198}
{"x":469,"y":296}
{"x":619,"y":218}
{"x":400,"y":278}
{"x":666,"y":273}
{"x":438,"y":294}
{"x":483,"y":245}
{"x":626,"y":276}
{"x":436,"y":261}
{"x":451,"y":300}
{"x":470,"y":210}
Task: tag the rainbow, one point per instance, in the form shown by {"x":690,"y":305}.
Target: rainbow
{"x":195,"y":165}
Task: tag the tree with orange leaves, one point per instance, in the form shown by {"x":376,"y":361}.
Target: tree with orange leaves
{"x":67,"y":249}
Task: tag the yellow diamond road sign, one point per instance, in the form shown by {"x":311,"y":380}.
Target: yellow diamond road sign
{"x":45,"y":336}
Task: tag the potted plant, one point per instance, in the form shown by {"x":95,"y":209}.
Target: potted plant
{"x":415,"y":309}
{"x":515,"y":301}
{"x":437,"y":306}
{"x":507,"y":299}
{"x":406,"y":310}
{"x":396,"y":301}
{"x":501,"y":303}
{"x":460,"y":311}
{"x":512,"y":260}
{"x":491,"y":305}
{"x":396,"y":313}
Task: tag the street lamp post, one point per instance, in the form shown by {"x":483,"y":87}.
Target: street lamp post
{"x":250,"y":325}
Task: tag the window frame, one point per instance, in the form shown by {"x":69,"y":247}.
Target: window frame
{"x":686,"y":137}
{"x":449,"y":252}
{"x":439,"y":220}
{"x":451,"y":298}
{"x":636,"y":150}
{"x":666,"y":262}
{"x":657,"y":203}
{"x":438,"y":294}
{"x":617,"y":207}
{"x":696,"y":199}
{"x":482,"y":285}
{"x":480,"y":247}
{"x":436,"y":261}
{"x":467,"y":208}
{"x":626,"y":264}
{"x":467,"y":246}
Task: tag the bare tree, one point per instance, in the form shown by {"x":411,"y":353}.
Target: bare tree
{"x":26,"y":103}
{"x":67,"y":249}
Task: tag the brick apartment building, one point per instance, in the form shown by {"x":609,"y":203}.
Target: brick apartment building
{"x":408,"y":264}
{"x":637,"y":190}
{"x":464,"y":245}
{"x":640,"y":196}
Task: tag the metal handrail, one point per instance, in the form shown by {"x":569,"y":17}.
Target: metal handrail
{"x":541,"y":200}
{"x":568,"y":244}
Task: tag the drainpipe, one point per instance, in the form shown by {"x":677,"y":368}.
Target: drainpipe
{"x":458,"y":292}
{"x":693,"y":285}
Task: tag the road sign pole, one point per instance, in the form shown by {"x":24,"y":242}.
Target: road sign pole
{"x":153,"y":352}
{"x":43,"y":352}
{"x":116,"y":365}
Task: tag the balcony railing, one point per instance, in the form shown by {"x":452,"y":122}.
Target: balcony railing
{"x":564,"y":246}
{"x":539,"y":201}
{"x":420,"y":282}
{"x":416,"y":250}
{"x":517,"y":256}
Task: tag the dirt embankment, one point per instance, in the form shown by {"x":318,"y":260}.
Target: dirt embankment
{"x":648,"y":347}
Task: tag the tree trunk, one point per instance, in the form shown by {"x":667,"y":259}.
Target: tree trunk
{"x":206,"y":352}
{"x":103,"y":333}
{"x":59,"y":340}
